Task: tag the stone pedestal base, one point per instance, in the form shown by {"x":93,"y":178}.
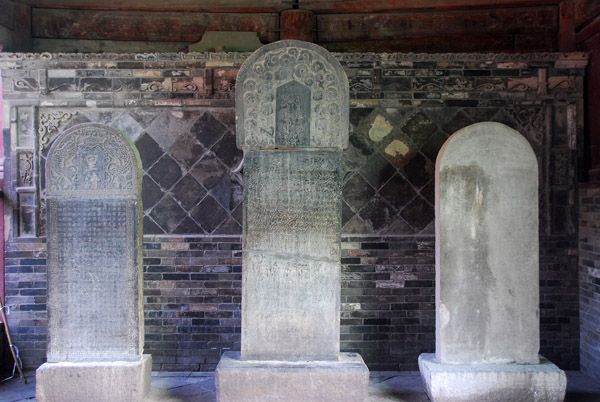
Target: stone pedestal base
{"x":94,"y":381}
{"x":492,"y":382}
{"x":343,"y":380}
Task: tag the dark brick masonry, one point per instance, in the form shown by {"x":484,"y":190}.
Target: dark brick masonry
{"x":589,"y":278}
{"x":192,"y":292}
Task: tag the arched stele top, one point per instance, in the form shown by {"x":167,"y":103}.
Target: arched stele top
{"x":92,"y":160}
{"x":292,"y":94}
{"x":487,"y":247}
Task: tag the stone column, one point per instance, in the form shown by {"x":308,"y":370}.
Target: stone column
{"x":292,"y":122}
{"x":487,"y":273}
{"x":95,"y":317}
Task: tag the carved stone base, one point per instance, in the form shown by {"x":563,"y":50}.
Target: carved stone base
{"x":543,"y":382}
{"x":94,"y":381}
{"x":343,"y":380}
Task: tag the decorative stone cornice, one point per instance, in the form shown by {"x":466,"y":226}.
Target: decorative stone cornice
{"x":230,"y":59}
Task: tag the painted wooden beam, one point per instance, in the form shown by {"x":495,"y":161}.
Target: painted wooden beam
{"x":147,"y":26}
{"x":297,"y":24}
{"x":432,"y":44}
{"x":566,"y":26}
{"x":357,"y":27}
{"x":318,"y":6}
{"x":585,"y":11}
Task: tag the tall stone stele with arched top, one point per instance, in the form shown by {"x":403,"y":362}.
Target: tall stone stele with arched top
{"x":292,"y":123}
{"x":94,"y":238}
{"x":487,"y":273}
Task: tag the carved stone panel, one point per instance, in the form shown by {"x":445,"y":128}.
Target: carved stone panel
{"x":94,"y":262}
{"x":277,"y":76}
{"x":292,"y":203}
{"x":25,"y":167}
{"x":291,"y":275}
{"x":292,"y":119}
{"x":91,"y":159}
{"x":292,"y":96}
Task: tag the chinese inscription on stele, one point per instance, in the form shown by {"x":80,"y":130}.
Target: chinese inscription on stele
{"x":94,"y":312}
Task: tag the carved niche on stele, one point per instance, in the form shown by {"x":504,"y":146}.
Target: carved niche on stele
{"x":291,"y":98}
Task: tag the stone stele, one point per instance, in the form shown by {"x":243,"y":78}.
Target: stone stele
{"x":95,"y":318}
{"x":487,"y":275}
{"x":292,"y":122}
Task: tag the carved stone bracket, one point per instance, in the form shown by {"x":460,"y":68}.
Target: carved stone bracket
{"x":25,"y":164}
{"x":49,"y":124}
{"x":531,"y":121}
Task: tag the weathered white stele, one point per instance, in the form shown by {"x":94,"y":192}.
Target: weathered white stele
{"x":95,"y":318}
{"x":487,"y":273}
{"x":292,"y":123}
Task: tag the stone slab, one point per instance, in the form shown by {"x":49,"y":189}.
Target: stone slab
{"x":93,"y":281}
{"x":487,"y":251}
{"x":291,"y":276}
{"x":291,"y":308}
{"x":93,"y":178}
{"x":492,"y":382}
{"x":342,"y":380}
{"x":94,"y":381}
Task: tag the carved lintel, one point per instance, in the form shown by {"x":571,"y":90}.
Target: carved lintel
{"x":236,"y":59}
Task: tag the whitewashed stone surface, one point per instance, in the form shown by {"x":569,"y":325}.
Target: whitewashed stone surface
{"x":487,"y":249}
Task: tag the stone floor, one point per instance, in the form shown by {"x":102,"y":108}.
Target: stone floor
{"x":384,"y":386}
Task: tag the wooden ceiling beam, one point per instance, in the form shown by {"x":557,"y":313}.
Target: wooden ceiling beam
{"x":145,"y":26}
{"x":509,"y":21}
{"x":317,"y":6}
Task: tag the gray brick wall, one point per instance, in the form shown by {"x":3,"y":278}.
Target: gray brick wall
{"x":192,"y":293}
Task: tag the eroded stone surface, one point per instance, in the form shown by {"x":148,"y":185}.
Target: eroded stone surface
{"x":492,"y":382}
{"x":292,"y":96}
{"x":343,"y":380}
{"x":291,"y":275}
{"x":487,"y":248}
{"x":94,"y":381}
{"x":94,"y":234}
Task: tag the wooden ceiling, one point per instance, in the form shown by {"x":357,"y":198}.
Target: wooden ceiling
{"x":317,"y":6}
{"x":338,"y":25}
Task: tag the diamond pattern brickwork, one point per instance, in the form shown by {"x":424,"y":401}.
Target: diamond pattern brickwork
{"x":193,"y":181}
{"x":189,"y":157}
{"x":390,"y":165}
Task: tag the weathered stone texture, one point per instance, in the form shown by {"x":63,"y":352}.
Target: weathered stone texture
{"x":94,"y":381}
{"x":292,"y":205}
{"x":93,"y":257}
{"x":491,"y":382}
{"x":487,"y":246}
{"x":342,"y":380}
{"x":292,"y":94}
